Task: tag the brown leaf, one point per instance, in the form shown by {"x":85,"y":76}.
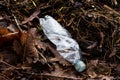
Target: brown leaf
{"x":92,"y":74}
{"x":37,"y":38}
{"x":7,"y":36}
{"x":23,"y":37}
{"x":4,"y":31}
{"x":33,"y":31}
{"x":25,"y":47}
{"x":18,"y":48}
{"x":19,"y":45}
{"x":30,"y":50}
{"x":34,"y":15}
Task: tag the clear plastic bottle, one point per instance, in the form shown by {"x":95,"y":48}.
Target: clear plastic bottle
{"x":67,"y":47}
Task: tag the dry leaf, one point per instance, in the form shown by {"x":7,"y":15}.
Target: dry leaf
{"x":25,"y":47}
{"x":6,"y":36}
{"x":19,"y":45}
{"x":30,"y":50}
{"x":23,"y":37}
{"x":36,"y":37}
{"x":4,"y":31}
{"x":18,"y":48}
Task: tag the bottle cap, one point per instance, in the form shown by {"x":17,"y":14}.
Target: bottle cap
{"x":80,"y":66}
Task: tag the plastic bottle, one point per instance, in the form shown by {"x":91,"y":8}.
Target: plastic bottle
{"x":67,"y":47}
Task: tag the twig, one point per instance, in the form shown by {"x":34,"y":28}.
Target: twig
{"x":43,"y":57}
{"x":9,"y":34}
{"x":34,"y":3}
{"x":7,"y":64}
{"x":118,"y":56}
{"x":63,"y":77}
{"x":4,"y":77}
{"x":110,"y":9}
{"x":17,"y":22}
{"x":45,"y":60}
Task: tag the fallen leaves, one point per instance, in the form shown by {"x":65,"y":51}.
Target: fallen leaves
{"x":23,"y":43}
{"x":98,"y":70}
{"x":30,"y":50}
{"x":6,"y":36}
{"x":26,"y":54}
{"x":25,"y":47}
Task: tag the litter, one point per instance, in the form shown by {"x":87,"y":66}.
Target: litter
{"x":67,"y":47}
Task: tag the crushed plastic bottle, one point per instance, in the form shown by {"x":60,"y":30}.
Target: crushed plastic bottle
{"x":67,"y":47}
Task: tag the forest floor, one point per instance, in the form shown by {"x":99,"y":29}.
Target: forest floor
{"x":25,"y":54}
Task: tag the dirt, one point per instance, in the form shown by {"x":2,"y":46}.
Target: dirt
{"x":26,"y":54}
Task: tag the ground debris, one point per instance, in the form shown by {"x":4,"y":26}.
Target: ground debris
{"x":26,"y":54}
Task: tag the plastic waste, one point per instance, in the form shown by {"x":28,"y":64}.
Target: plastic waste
{"x":67,"y":47}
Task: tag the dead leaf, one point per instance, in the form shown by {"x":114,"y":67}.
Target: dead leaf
{"x":91,"y":72}
{"x":4,"y":31}
{"x":30,"y":51}
{"x":7,"y":36}
{"x":25,"y":47}
{"x":23,"y":37}
{"x":19,"y":45}
{"x":18,"y":48}
{"x":37,"y":38}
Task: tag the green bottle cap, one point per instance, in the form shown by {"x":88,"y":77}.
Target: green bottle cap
{"x":80,"y":66}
